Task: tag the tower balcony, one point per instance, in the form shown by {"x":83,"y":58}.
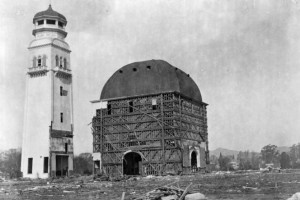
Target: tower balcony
{"x":38,"y":70}
{"x":61,"y":71}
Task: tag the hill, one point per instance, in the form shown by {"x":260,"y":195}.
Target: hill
{"x":225,"y":152}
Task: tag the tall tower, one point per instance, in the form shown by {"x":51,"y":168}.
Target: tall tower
{"x":47,"y":148}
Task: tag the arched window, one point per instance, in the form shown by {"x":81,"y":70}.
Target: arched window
{"x":60,"y":62}
{"x":34,"y":62}
{"x":65,"y":63}
{"x":44,"y":60}
{"x":56,"y":61}
{"x":39,"y":61}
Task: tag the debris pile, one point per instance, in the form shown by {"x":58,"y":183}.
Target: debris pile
{"x":169,"y":192}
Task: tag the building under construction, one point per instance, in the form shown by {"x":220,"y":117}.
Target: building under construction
{"x":150,"y":119}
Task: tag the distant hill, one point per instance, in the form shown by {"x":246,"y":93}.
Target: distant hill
{"x":228,"y":152}
{"x":225,"y":152}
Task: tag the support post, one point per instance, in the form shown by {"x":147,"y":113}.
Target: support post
{"x":163,"y":131}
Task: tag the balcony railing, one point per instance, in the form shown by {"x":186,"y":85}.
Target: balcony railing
{"x":38,"y":70}
{"x":62,"y":70}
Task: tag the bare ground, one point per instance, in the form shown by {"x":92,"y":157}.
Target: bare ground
{"x":243,"y":185}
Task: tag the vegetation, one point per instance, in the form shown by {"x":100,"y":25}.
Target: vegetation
{"x":269,"y":154}
{"x":10,"y":163}
{"x":83,"y":164}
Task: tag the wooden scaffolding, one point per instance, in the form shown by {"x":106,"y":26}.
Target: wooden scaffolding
{"x":157,"y":127}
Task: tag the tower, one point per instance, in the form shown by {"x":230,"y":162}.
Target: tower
{"x":47,"y":148}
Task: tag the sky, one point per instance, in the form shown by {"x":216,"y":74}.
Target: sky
{"x":243,"y":54}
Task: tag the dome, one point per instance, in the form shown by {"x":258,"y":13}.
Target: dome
{"x":49,"y":13}
{"x":149,"y":77}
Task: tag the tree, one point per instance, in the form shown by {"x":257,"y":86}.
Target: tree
{"x":224,"y":162}
{"x":270,"y":154}
{"x":284,"y":160}
{"x":295,"y":155}
{"x":83,"y":164}
{"x":11,"y":163}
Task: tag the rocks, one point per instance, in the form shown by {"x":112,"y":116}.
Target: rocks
{"x":171,"y":197}
{"x":296,"y":196}
{"x":195,"y":196}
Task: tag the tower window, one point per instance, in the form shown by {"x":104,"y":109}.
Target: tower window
{"x":65,"y":63}
{"x":60,"y":24}
{"x":61,"y":91}
{"x":44,"y":60}
{"x":60,"y":62}
{"x":29,"y":169}
{"x":56,"y":61}
{"x":39,"y":61}
{"x":40,"y":22}
{"x":130,"y":106}
{"x":50,"y":21}
{"x":46,"y":160}
{"x":34,"y":62}
{"x":61,"y":117}
{"x":66,"y":147}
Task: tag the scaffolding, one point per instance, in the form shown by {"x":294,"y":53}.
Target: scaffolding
{"x":161,"y":128}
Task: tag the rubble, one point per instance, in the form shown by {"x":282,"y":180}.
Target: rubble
{"x":296,"y":196}
{"x":195,"y":196}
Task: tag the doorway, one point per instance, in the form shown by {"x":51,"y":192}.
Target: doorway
{"x":62,"y":166}
{"x":132,"y":164}
{"x":194,"y":160}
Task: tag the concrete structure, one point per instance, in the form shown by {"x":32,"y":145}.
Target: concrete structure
{"x":150,"y":119}
{"x":47,"y":148}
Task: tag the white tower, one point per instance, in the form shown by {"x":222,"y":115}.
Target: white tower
{"x":47,"y":148}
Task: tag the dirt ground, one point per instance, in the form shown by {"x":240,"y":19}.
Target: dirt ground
{"x":220,"y":185}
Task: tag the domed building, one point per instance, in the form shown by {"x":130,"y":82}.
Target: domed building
{"x":150,"y":119}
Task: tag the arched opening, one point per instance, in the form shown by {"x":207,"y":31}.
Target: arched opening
{"x":56,"y":61}
{"x":132,"y":163}
{"x":194,"y":159}
{"x":65,"y":63}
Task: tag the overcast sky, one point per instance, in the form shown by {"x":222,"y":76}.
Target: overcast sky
{"x":244,"y":55}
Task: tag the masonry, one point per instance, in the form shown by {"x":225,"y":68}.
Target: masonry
{"x":150,"y":119}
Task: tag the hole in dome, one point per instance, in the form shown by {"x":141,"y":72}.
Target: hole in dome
{"x":176,"y":68}
{"x":188,"y":75}
{"x":134,"y":69}
{"x":120,"y":71}
{"x":148,"y":67}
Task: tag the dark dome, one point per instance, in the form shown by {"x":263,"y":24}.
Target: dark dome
{"x":50,"y":14}
{"x":149,"y":77}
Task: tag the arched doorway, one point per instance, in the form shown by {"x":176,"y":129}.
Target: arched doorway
{"x":194,"y":159}
{"x":132,"y":163}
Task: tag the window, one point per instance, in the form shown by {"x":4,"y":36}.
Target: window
{"x":60,"y":62}
{"x":66,"y":147}
{"x":61,"y":117}
{"x":50,"y":21}
{"x":46,"y":160}
{"x":44,"y":60}
{"x":29,"y":170}
{"x":154,"y":104}
{"x":39,"y":61}
{"x":40,"y":22}
{"x":130,"y":106}
{"x":109,"y":109}
{"x":65,"y":63}
{"x":34,"y":62}
{"x":61,"y":91}
{"x":56,"y":61}
{"x":60,"y":24}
